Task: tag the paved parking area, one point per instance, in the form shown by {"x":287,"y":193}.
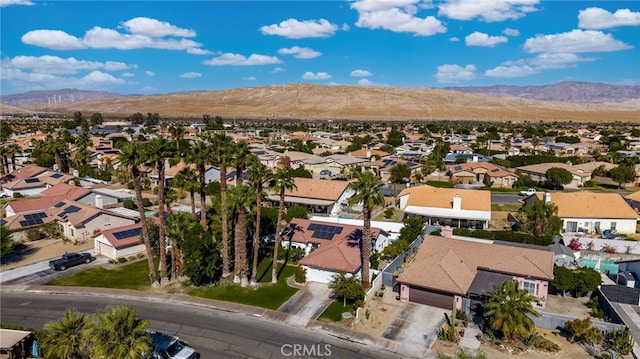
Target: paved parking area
{"x":417,"y":325}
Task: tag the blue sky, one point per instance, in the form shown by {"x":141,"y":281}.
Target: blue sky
{"x":153,"y":47}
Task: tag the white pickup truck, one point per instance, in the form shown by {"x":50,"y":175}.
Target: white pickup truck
{"x":166,"y":346}
{"x":527,"y":192}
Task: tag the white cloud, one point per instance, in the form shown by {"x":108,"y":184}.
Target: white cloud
{"x":149,"y":73}
{"x":31,"y":80}
{"x":510,"y":71}
{"x":489,"y":11}
{"x":316,"y":76}
{"x":454,"y":39}
{"x":575,"y":41}
{"x":240,"y":60}
{"x":484,"y":40}
{"x":155,"y":28}
{"x":56,"y":65}
{"x":511,"y":32}
{"x":596,"y":18}
{"x":276,"y":70}
{"x":360,"y":73}
{"x":295,"y":29}
{"x":250,"y":78}
{"x":300,"y":52}
{"x":4,"y":3}
{"x":558,"y":60}
{"x":191,"y":75}
{"x":367,"y":82}
{"x":455,"y":73}
{"x":128,"y":74}
{"x":143,"y":33}
{"x":52,"y":39}
{"x":396,"y":16}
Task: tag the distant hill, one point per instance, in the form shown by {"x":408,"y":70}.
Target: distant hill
{"x":568,"y":91}
{"x":52,"y":97}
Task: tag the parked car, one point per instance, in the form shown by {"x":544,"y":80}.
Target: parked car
{"x":325,"y":173}
{"x":4,"y":195}
{"x":69,"y":260}
{"x":166,"y":346}
{"x":527,"y":192}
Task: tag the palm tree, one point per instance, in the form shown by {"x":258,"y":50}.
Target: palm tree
{"x":259,"y":174}
{"x":59,"y":148}
{"x":222,"y":151}
{"x":282,"y":181}
{"x":367,"y":192}
{"x":131,"y":156}
{"x":157,"y":152}
{"x":507,"y":310}
{"x":187,"y":180}
{"x":179,"y":225}
{"x":11,"y":151}
{"x":399,"y":174}
{"x":242,"y":197}
{"x":199,"y":156}
{"x":119,"y":333}
{"x":66,"y":338}
{"x":177,"y":133}
{"x":4,"y":164}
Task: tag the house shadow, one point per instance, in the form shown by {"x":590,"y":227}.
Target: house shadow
{"x":19,"y":253}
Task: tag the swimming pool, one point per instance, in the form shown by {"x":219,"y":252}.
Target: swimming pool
{"x":604,"y":265}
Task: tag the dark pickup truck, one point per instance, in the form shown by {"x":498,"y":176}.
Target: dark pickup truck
{"x":70,"y":259}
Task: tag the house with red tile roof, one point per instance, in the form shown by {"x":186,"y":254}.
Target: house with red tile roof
{"x":120,"y":242}
{"x":447,"y":206}
{"x":445,"y":271}
{"x":331,"y":247}
{"x":486,"y":173}
{"x":32,"y":180}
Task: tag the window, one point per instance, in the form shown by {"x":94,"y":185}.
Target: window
{"x":613,"y":226}
{"x":531,"y":287}
{"x":73,"y":233}
{"x":596,"y":226}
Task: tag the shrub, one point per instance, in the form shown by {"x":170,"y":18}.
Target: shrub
{"x":507,"y":236}
{"x":129,"y":204}
{"x":608,"y":249}
{"x":581,"y":331}
{"x":130,"y":185}
{"x":575,"y":245}
{"x":388,"y":213}
{"x":17,"y":195}
{"x":146,"y":202}
{"x":301,"y":275}
{"x":619,"y":340}
{"x":140,"y":255}
{"x":33,"y":234}
{"x":122,"y":260}
{"x":448,"y":334}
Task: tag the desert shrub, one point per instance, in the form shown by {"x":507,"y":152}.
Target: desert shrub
{"x":33,"y":234}
{"x":619,"y":340}
{"x":508,"y":236}
{"x":448,"y":334}
{"x":129,"y":204}
{"x":130,"y":185}
{"x":581,"y":331}
{"x":17,"y":195}
{"x":388,"y":212}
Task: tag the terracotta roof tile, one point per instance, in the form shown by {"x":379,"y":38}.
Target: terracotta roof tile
{"x":427,"y":196}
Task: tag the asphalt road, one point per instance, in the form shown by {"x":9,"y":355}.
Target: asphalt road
{"x":214,"y":333}
{"x":504,"y":198}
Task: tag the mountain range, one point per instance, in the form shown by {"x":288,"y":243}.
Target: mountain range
{"x":565,"y":101}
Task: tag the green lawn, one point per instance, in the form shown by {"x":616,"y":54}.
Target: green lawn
{"x":130,"y":276}
{"x":506,"y":207}
{"x":440,"y":184}
{"x":136,"y":276}
{"x":334,"y":311}
{"x":269,"y":296}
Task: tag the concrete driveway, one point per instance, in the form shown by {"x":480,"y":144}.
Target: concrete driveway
{"x":416,"y":325}
{"x":309,"y":302}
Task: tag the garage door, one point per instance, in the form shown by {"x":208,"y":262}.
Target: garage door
{"x":440,"y":300}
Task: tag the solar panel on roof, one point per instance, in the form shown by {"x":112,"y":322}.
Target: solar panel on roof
{"x":32,"y":180}
{"x":495,"y":170}
{"x":127,"y":233}
{"x":457,"y":168}
{"x":23,"y":223}
{"x":312,"y":227}
{"x":59,"y":204}
{"x":322,"y":235}
{"x":72,"y":209}
{"x":411,"y":164}
{"x":2,"y":221}
{"x":56,"y":175}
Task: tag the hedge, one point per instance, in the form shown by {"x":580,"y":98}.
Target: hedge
{"x":507,"y":236}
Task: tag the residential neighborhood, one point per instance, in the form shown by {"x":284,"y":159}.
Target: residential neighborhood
{"x":378,"y":208}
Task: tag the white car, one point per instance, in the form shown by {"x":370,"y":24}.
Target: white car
{"x":4,"y":195}
{"x":527,"y":192}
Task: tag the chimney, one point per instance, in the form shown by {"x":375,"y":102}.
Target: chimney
{"x":547,"y":197}
{"x":99,"y":201}
{"x":457,"y":202}
{"x":474,"y":159}
{"x":368,"y":153}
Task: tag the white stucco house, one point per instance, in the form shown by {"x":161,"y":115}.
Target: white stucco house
{"x":120,"y":242}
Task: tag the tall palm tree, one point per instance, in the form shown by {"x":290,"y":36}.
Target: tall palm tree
{"x":199,"y":156}
{"x":11,"y":151}
{"x":132,"y":156}
{"x":507,"y":310}
{"x":58,"y":147}
{"x":222,"y":152}
{"x":179,"y":225}
{"x":66,"y":338}
{"x":177,"y":133}
{"x":282,"y":181}
{"x":242,"y":197}
{"x":4,"y":164}
{"x":367,"y":192}
{"x":158,"y":151}
{"x":187,"y":180}
{"x":119,"y":333}
{"x":259,"y":175}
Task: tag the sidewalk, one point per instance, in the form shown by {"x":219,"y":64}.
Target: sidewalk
{"x":309,"y":302}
